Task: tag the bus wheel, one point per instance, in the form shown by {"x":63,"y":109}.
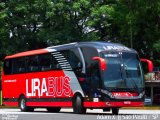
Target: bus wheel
{"x":78,"y":107}
{"x":115,"y":111}
{"x":22,"y":105}
{"x":54,"y":109}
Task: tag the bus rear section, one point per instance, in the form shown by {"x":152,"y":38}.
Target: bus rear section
{"x":77,"y":75}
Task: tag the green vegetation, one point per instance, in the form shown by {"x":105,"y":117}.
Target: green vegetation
{"x":0,"y":97}
{"x":32,"y":24}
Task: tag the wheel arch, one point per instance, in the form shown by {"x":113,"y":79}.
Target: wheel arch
{"x":21,"y":95}
{"x":78,"y":94}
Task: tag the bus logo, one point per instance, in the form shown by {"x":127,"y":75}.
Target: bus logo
{"x":124,"y":94}
{"x":51,"y":86}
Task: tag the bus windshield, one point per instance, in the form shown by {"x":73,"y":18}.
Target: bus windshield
{"x":123,"y":72}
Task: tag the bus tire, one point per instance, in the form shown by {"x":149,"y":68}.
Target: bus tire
{"x":78,"y":107}
{"x":53,"y":109}
{"x":115,"y":111}
{"x":22,"y":105}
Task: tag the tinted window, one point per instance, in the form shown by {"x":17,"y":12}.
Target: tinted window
{"x":92,"y":66}
{"x":73,"y":58}
{"x":7,"y":67}
{"x":48,"y":62}
{"x":89,"y":53}
{"x":133,"y":69}
{"x":54,"y":64}
{"x":123,"y":71}
{"x":32,"y":63}
{"x":18,"y":65}
{"x":113,"y":74}
{"x":36,"y":63}
{"x":45,"y":62}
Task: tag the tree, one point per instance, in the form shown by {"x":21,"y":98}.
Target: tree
{"x":4,"y":34}
{"x":36,"y":24}
{"x":138,"y":25}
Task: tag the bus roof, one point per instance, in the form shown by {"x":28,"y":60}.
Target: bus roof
{"x":101,"y":46}
{"x":106,"y":46}
{"x":27,"y":53}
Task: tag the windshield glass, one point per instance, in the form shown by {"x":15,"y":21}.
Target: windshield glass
{"x":123,"y":71}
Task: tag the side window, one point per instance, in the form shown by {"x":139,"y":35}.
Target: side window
{"x":74,"y":59}
{"x":7,"y":67}
{"x":89,"y":53}
{"x":18,"y":65}
{"x":32,"y":63}
{"x":54,"y":64}
{"x":92,"y":67}
{"x":45,"y":62}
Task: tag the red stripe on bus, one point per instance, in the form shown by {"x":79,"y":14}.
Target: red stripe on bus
{"x":113,"y":104}
{"x":27,"y":53}
{"x":94,"y":104}
{"x":127,"y":104}
{"x":51,"y":104}
{"x":10,"y":104}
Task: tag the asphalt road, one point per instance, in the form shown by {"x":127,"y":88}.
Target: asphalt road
{"x":67,"y":114}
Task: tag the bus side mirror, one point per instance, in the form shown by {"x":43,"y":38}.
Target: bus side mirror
{"x":102,"y":63}
{"x":149,"y":64}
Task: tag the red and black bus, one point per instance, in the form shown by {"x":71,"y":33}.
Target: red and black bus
{"x":79,"y":75}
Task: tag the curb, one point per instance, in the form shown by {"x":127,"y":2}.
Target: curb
{"x":144,"y":108}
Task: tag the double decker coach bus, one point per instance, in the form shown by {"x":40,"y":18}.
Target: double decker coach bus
{"x":79,"y":75}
